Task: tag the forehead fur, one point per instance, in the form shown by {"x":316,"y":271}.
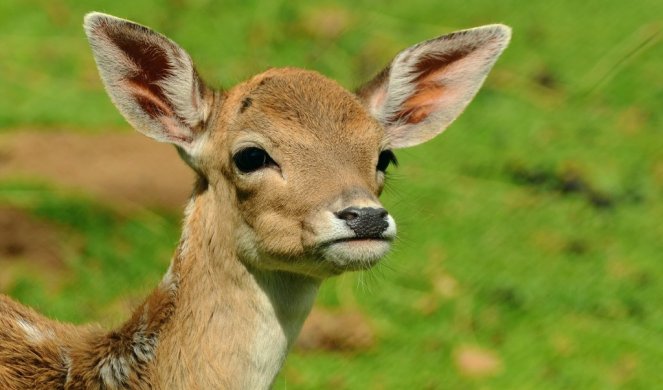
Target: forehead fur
{"x":309,"y":104}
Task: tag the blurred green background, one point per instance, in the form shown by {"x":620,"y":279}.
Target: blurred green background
{"x":531,"y":231}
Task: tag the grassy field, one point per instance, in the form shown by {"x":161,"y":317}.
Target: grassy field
{"x":531,"y":232}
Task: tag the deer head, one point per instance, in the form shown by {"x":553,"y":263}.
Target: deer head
{"x":291,"y":162}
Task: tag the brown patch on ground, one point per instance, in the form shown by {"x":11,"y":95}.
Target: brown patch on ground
{"x":476,"y":362}
{"x":339,"y":330}
{"x":128,"y":169}
{"x":24,"y":239}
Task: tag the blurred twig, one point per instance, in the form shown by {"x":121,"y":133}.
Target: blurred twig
{"x":622,"y":55}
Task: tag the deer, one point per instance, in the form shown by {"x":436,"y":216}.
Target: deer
{"x":289,"y":168}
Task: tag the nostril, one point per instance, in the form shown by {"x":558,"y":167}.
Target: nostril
{"x":382,"y":213}
{"x":348,"y":214}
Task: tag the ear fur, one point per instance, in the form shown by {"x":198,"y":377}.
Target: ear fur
{"x":150,"y":79}
{"x":429,"y":85}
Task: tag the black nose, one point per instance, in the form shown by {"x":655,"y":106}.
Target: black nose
{"x":366,"y":222}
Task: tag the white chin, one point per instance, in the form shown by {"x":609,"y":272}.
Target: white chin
{"x":356,"y":254}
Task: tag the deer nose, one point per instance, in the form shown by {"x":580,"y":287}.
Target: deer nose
{"x":366,"y":222}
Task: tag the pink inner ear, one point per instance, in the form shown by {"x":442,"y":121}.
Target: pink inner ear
{"x":429,"y":89}
{"x":378,"y":98}
{"x":152,"y":104}
{"x":422,"y":103}
{"x":158,"y":109}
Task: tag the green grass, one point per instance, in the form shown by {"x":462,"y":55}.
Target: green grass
{"x":564,"y":286}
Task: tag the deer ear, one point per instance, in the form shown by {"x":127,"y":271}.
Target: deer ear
{"x":428,"y":85}
{"x":150,"y":79}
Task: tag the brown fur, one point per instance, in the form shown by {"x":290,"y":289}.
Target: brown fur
{"x":68,"y":357}
{"x":255,"y":245}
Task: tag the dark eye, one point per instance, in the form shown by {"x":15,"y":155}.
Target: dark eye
{"x":251,"y":159}
{"x":386,"y":157}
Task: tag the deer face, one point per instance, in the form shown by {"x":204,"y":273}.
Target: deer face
{"x":302,"y":154}
{"x":295,"y":158}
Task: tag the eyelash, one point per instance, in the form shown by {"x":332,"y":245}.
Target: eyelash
{"x":386,"y":158}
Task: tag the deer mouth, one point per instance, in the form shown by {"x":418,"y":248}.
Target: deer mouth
{"x":355,"y":253}
{"x":359,"y":240}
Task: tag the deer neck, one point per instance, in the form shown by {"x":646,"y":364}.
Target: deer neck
{"x":232,"y":324}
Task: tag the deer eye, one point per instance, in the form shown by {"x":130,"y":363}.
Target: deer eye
{"x":386,"y":157}
{"x":251,"y":159}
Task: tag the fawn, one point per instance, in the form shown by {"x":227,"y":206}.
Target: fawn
{"x":289,"y":169}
